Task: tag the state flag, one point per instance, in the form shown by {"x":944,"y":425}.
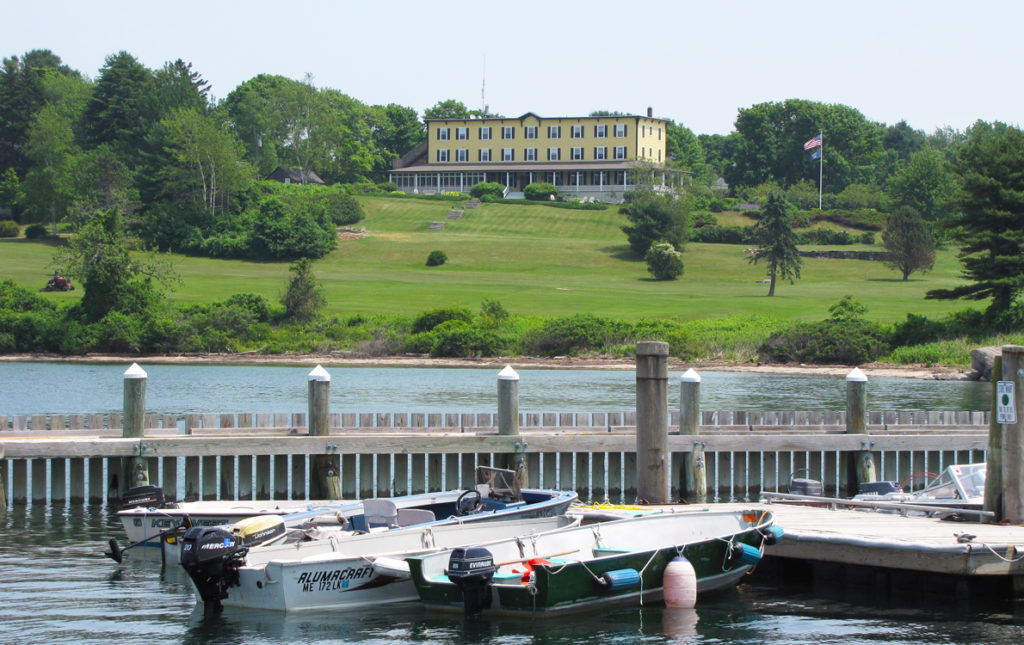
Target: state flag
{"x":816,"y":154}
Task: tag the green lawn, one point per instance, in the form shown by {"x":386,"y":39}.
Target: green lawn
{"x":535,"y":260}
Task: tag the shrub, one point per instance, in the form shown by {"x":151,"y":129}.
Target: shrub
{"x":663,"y":261}
{"x":571,"y":335}
{"x":9,"y":228}
{"x":850,"y":342}
{"x":388,"y":187}
{"x":343,"y":208}
{"x":35,"y":231}
{"x":430,"y":319}
{"x":436,"y":258}
{"x":456,"y":338}
{"x":724,"y":235}
{"x":489,"y":188}
{"x":539,"y":191}
{"x":867,"y":238}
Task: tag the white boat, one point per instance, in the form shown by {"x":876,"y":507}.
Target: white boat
{"x":343,"y":569}
{"x":960,"y":486}
{"x":145,"y":517}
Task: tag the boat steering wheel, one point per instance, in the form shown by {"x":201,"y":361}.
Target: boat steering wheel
{"x":468,"y":503}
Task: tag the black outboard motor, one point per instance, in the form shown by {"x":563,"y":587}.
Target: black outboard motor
{"x":143,"y":496}
{"x":211,"y":556}
{"x":878,"y":488}
{"x":472,"y":568}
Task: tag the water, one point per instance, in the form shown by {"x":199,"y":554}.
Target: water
{"x":56,"y":587}
{"x":67,"y":388}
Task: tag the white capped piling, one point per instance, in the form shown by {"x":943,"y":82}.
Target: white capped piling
{"x":694,"y":470}
{"x":325,"y":482}
{"x":1010,"y":411}
{"x":856,"y":423}
{"x":133,"y":469}
{"x":508,"y":421}
{"x":652,"y":421}
{"x":994,"y":452}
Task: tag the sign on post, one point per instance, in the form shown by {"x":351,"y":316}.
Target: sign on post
{"x":1006,"y":407}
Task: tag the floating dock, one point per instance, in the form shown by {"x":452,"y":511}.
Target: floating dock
{"x":892,"y":553}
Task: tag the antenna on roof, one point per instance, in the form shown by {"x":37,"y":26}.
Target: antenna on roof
{"x":483,"y":87}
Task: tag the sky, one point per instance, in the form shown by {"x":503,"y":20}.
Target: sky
{"x":934,"y":63}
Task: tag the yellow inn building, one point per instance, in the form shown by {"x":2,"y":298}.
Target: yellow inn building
{"x":590,"y":156}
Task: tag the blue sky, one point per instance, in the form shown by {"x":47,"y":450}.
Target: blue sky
{"x":933,"y":64}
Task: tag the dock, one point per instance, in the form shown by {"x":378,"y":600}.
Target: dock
{"x":891,"y":553}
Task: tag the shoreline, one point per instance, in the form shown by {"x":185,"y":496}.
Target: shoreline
{"x":923,"y":372}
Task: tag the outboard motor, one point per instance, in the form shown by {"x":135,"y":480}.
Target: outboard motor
{"x":472,"y":568}
{"x":211,"y":556}
{"x":143,"y":496}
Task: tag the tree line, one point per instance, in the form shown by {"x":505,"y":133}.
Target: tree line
{"x":182,"y":170}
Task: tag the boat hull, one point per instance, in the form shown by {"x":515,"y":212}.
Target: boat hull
{"x":357,"y":570}
{"x":573,"y":583}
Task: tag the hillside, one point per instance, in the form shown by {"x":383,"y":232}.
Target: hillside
{"x":537,"y":261}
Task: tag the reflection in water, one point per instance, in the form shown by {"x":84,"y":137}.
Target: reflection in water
{"x":180,"y":389}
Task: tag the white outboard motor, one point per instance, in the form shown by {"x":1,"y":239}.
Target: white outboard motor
{"x":472,"y":569}
{"x":211,"y":556}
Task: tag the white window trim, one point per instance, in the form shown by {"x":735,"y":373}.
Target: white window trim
{"x":600,"y":153}
{"x":576,"y":132}
{"x":577,"y":153}
{"x":462,"y":134}
{"x":444,"y":134}
{"x":508,"y":154}
{"x":601,"y":131}
{"x":485,"y":133}
{"x":485,"y":154}
{"x":620,"y":153}
{"x":443,"y":155}
{"x":554,"y":132}
{"x":530,"y":131}
{"x":530,"y":154}
{"x":508,"y":130}
{"x":620,"y":127}
{"x":462,"y":155}
{"x":554,"y":154}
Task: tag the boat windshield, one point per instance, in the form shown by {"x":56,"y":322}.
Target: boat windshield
{"x":958,"y":482}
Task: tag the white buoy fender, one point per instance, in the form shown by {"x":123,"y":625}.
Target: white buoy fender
{"x":680,"y":583}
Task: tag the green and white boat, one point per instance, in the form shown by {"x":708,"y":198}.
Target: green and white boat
{"x":616,"y":562}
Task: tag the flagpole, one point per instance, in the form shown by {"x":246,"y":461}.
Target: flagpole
{"x":821,"y":165}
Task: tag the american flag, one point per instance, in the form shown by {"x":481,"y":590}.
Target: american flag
{"x":813,"y":143}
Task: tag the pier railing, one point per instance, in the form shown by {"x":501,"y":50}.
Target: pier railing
{"x":72,"y":459}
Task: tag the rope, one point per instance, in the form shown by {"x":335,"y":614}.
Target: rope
{"x":1002,"y":557}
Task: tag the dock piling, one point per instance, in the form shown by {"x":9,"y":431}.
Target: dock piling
{"x":994,"y":457}
{"x":325,"y":481}
{"x":694,"y":469}
{"x":1013,"y":438}
{"x":856,"y":423}
{"x":508,"y":421}
{"x":134,"y":471}
{"x":652,"y":421}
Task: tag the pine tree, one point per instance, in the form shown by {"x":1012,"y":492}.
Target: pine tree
{"x":992,"y":203}
{"x":777,"y":241}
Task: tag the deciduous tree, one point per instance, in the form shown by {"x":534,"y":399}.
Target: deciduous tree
{"x":909,"y":242}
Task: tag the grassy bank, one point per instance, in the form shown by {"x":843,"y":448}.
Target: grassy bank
{"x":537,"y":261}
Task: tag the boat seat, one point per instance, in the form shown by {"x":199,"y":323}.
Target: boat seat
{"x":410,"y":516}
{"x":380,"y":512}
